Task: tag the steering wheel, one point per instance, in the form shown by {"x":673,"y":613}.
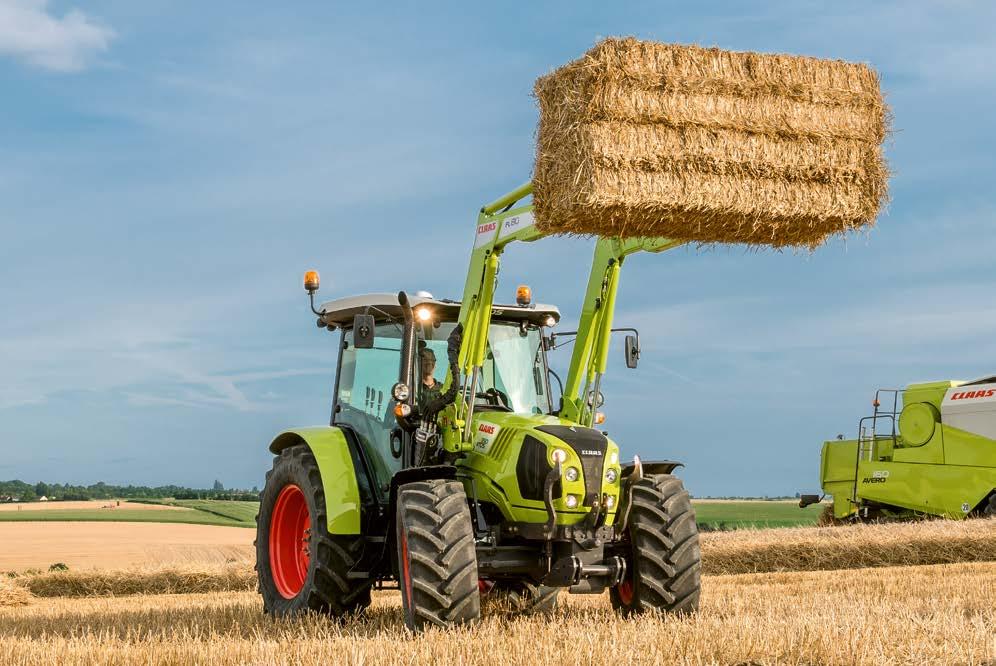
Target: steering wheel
{"x":495,"y":398}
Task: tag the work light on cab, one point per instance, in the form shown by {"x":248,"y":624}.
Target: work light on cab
{"x":311,"y":281}
{"x":423,"y":314}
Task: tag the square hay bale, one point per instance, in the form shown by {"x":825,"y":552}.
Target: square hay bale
{"x":711,"y":146}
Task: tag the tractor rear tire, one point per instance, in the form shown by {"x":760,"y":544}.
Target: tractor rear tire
{"x":437,"y":557}
{"x":526,"y":598}
{"x":664,"y":562}
{"x":299,"y":565}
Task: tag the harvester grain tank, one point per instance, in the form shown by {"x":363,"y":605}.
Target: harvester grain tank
{"x":928,"y":449}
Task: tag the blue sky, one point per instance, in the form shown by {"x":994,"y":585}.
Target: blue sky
{"x":169,"y":169}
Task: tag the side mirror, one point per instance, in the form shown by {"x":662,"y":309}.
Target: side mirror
{"x":632,"y":348}
{"x":363,"y":331}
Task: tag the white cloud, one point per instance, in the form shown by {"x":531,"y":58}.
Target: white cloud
{"x":29,"y":32}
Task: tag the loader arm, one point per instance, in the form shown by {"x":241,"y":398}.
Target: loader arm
{"x":591,"y":347}
{"x":498,"y":225}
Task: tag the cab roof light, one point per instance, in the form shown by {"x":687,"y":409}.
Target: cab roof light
{"x":523,"y":295}
{"x":311,"y":281}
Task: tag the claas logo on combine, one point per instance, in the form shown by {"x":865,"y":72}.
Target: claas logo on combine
{"x":984,"y":393}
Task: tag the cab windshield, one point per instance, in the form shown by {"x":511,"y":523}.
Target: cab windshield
{"x":514,"y":374}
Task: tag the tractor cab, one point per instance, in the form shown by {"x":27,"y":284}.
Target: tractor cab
{"x":514,"y":377}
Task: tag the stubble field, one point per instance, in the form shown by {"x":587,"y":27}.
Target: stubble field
{"x":903,"y":615}
{"x":118,"y":545}
{"x":787,"y":596}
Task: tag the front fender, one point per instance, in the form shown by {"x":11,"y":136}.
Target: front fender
{"x":335,"y":464}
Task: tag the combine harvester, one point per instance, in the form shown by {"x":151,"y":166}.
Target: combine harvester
{"x":486,"y":484}
{"x":934,"y":456}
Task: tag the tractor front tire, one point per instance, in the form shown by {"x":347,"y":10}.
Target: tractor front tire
{"x":664,"y":562}
{"x":299,"y":565}
{"x":437,"y":558}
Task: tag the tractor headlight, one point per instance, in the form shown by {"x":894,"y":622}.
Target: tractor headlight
{"x":614,"y":458}
{"x":611,"y":475}
{"x":610,"y":501}
{"x":559,"y":455}
{"x":572,"y":474}
{"x":571,"y":501}
{"x":401,"y":392}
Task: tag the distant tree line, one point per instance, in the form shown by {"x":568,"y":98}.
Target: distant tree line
{"x":17,"y":490}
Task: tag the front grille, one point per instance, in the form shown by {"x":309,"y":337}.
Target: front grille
{"x":590,"y":445}
{"x":532,"y":469}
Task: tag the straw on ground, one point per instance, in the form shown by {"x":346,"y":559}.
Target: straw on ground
{"x":905,"y":615}
{"x":723,"y":553}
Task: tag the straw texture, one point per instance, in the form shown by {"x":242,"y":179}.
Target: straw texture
{"x":12,"y":594}
{"x":705,"y":145}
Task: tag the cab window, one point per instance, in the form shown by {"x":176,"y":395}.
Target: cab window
{"x":364,"y":401}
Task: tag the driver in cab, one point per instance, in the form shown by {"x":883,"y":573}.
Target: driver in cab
{"x":429,"y":388}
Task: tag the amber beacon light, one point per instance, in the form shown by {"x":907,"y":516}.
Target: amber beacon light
{"x":311,"y":281}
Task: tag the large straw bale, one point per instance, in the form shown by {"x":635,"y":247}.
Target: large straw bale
{"x":706,"y":145}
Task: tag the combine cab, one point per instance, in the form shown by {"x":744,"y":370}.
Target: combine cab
{"x":931,"y":450}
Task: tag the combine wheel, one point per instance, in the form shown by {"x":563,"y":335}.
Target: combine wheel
{"x":989,"y":509}
{"x":525,"y":597}
{"x":664,"y":560}
{"x":437,"y":559}
{"x":300,"y":566}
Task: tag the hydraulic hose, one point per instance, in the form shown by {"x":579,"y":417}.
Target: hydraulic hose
{"x":453,"y":354}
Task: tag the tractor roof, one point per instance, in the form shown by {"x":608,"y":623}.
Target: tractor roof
{"x":340,"y":312}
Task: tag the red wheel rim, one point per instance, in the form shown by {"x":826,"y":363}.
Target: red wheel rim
{"x":625,"y":590}
{"x":290,"y":530}
{"x":406,"y":572}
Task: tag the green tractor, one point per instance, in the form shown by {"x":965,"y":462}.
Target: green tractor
{"x":470,"y":480}
{"x":930,"y":450}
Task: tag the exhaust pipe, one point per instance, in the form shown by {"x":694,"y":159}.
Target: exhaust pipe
{"x":407,"y":341}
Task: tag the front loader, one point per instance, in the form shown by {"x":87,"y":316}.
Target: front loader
{"x":467,"y":479}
